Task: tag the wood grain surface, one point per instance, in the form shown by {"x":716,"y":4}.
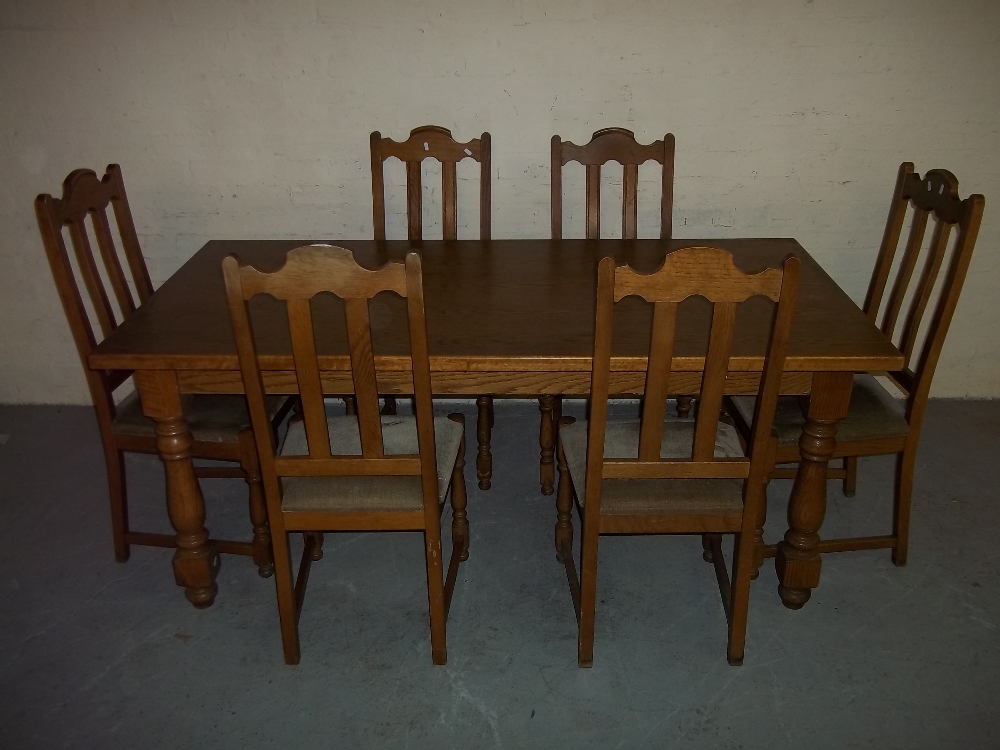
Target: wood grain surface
{"x":493,"y":307}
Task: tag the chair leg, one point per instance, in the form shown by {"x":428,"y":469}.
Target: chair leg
{"x":317,"y":540}
{"x":743,"y":566}
{"x":547,"y":437}
{"x":901,"y":511}
{"x":706,"y":548}
{"x":435,"y":593}
{"x":484,"y":425}
{"x":564,"y":510}
{"x":389,"y":405}
{"x":588,"y":595}
{"x":459,"y":499}
{"x":285,"y":586}
{"x":758,"y":535}
{"x":850,"y":475}
{"x":250,"y":464}
{"x":114,"y":461}
{"x":350,"y":405}
{"x":684,"y":406}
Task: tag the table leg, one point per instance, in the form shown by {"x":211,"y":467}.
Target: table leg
{"x":798,"y":561}
{"x":196,"y":561}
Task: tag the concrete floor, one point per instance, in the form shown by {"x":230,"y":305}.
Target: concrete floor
{"x":94,"y":654}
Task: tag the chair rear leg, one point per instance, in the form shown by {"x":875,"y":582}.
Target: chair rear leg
{"x":250,"y":464}
{"x":743,"y":565}
{"x":288,"y":612}
{"x":114,"y":461}
{"x":459,"y":498}
{"x":317,"y":544}
{"x":484,"y":429}
{"x":564,"y":509}
{"x":758,"y":532}
{"x":901,"y":511}
{"x":706,"y":548}
{"x":435,"y":593}
{"x":547,"y":438}
{"x":758,"y":536}
{"x":850,"y":475}
{"x":588,"y":595}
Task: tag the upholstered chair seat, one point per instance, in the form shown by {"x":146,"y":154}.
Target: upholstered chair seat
{"x":375,"y":493}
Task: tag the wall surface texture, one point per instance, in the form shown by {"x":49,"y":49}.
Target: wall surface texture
{"x":251,"y":119}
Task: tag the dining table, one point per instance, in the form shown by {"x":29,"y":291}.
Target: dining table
{"x":510,"y":318}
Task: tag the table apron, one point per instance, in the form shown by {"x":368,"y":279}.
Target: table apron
{"x":510,"y":383}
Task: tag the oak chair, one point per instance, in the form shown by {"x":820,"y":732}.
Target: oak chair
{"x":220,"y":425}
{"x":876,"y":423}
{"x":362,"y":472}
{"x":618,"y":145}
{"x":649,"y":476}
{"x":435,"y":142}
{"x":607,"y":145}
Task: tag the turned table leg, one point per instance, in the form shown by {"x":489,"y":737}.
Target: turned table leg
{"x":196,"y":561}
{"x":798,"y":561}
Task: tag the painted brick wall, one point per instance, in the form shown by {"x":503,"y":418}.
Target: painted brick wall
{"x":251,"y":118}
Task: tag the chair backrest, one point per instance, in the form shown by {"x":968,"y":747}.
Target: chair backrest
{"x":935,"y":195}
{"x":308,"y":271}
{"x":619,"y":145}
{"x":694,"y":271}
{"x":430,"y":142}
{"x":84,"y":197}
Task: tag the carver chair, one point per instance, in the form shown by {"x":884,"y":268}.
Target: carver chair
{"x":607,"y":145}
{"x":360,"y":472}
{"x":220,"y":425}
{"x":876,"y":423}
{"x":651,"y":476}
{"x":435,"y":142}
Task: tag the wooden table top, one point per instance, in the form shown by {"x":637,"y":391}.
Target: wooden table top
{"x":498,"y":305}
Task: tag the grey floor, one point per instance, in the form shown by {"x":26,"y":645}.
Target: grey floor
{"x":94,"y":654}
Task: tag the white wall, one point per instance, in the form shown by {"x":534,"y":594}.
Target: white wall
{"x":251,"y":119}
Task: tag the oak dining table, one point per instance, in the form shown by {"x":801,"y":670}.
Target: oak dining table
{"x":510,"y":318}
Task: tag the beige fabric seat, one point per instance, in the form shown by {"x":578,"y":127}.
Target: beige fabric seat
{"x":369,"y":493}
{"x":211,"y":418}
{"x":639,"y":496}
{"x":873,"y":414}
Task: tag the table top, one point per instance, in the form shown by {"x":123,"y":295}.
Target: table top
{"x":494,"y":305}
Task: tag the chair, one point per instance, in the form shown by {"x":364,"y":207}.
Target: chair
{"x":876,"y":424}
{"x":220,"y":425}
{"x":618,"y":145}
{"x":362,"y":472}
{"x":435,"y":142}
{"x":648,"y":476}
